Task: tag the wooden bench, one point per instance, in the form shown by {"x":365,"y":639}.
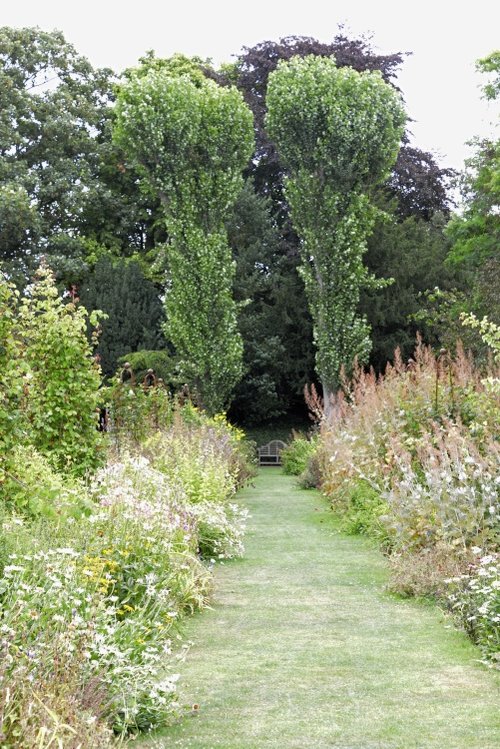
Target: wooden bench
{"x":269,"y":455}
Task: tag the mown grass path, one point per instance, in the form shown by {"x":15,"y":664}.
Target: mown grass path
{"x":303,"y":648}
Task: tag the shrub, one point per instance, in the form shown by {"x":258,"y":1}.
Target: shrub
{"x":160,"y":361}
{"x":32,"y":487}
{"x":446,"y":491}
{"x":398,"y":434}
{"x":94,"y":582}
{"x":137,"y":412}
{"x":362,"y":510}
{"x":149,"y":418}
{"x":220,"y":530}
{"x":296,"y":455}
{"x":61,"y":378}
{"x":51,"y":707}
{"x":310,"y":478}
{"x":11,"y":427}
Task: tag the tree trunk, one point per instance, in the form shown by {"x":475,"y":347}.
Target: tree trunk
{"x":331,"y":405}
{"x":328,"y":404}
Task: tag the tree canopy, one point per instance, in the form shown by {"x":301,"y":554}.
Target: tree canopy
{"x":72,"y":194}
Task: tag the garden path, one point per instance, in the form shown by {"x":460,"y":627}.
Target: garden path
{"x":304,"y":649}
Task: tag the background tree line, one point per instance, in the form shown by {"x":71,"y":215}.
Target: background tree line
{"x":69,"y":192}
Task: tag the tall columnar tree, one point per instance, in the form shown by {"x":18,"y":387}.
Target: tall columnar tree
{"x":191,"y":139}
{"x":338,"y":134}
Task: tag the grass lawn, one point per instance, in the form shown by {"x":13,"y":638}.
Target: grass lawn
{"x":303,"y":649}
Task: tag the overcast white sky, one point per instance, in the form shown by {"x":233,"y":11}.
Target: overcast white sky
{"x":439,"y":82}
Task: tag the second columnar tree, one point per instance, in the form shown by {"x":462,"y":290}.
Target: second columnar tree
{"x":338,"y":133}
{"x":191,"y":139}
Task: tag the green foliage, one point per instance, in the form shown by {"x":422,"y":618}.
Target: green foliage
{"x":361,"y":508}
{"x":48,"y":394}
{"x":413,"y":253}
{"x":489,"y":331}
{"x":10,"y":383}
{"x":161,"y":362}
{"x":63,"y":183}
{"x":475,"y":234}
{"x":32,"y":488}
{"x":491,"y":65}
{"x":338,"y":134}
{"x":18,"y":219}
{"x":439,"y":319}
{"x":131,"y":303}
{"x":296,"y":455}
{"x":60,"y":378}
{"x":278,"y":429}
{"x":349,"y":126}
{"x":176,"y":66}
{"x":47,"y":182}
{"x":201,"y":317}
{"x":79,"y":196}
{"x":137,"y":411}
{"x":140,"y":416}
{"x":177,"y":133}
{"x":417,"y":188}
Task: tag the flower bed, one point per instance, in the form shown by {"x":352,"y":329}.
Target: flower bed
{"x":92,"y":601}
{"x":413,"y":460}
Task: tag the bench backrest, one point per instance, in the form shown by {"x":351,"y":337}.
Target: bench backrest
{"x":270,"y":454}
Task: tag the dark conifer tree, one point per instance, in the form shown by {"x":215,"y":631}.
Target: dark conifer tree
{"x":133,"y":306}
